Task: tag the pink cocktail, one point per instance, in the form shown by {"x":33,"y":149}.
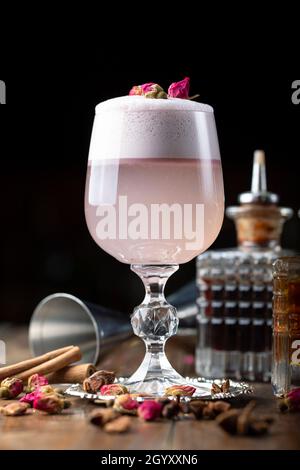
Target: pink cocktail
{"x":154,"y":199}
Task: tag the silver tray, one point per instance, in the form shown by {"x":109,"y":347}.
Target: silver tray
{"x":236,"y":390}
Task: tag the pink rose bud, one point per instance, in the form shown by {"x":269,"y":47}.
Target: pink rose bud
{"x":36,"y":381}
{"x":180,"y":89}
{"x":30,"y":397}
{"x":146,"y":87}
{"x":150,"y":410}
{"x":149,"y":90}
{"x":180,"y":391}
{"x":291,"y":402}
{"x":113,"y":389}
{"x":136,"y":90}
{"x":52,"y":404}
{"x":125,"y":404}
{"x":11,"y":388}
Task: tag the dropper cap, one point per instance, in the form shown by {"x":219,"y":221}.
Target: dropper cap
{"x":259,"y":193}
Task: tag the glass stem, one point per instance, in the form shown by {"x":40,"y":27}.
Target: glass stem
{"x":154,"y":321}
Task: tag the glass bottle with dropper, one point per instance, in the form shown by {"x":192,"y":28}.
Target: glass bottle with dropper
{"x":235,"y":287}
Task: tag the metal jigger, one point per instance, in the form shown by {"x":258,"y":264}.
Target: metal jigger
{"x":61,"y":319}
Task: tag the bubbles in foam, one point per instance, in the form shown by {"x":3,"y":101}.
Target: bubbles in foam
{"x":137,"y":127}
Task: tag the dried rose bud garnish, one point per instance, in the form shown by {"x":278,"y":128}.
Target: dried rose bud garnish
{"x":180,"y":89}
{"x":291,"y":401}
{"x":11,"y":388}
{"x":136,"y":90}
{"x":113,"y":389}
{"x":126,"y":405}
{"x":51,"y":404}
{"x":180,"y":391}
{"x":149,"y":90}
{"x":35,"y":381}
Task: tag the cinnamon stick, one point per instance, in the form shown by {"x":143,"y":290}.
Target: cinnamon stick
{"x":14,"y":369}
{"x":72,"y":374}
{"x":57,"y":363}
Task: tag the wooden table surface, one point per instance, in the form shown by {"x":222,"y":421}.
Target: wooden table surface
{"x":71,"y":429}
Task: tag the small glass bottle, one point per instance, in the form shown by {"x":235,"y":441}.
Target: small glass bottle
{"x":286,"y":325}
{"x":235,"y":288}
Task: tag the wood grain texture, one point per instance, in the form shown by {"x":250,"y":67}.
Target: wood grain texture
{"x":71,"y":430}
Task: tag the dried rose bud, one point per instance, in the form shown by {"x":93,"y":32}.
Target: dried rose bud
{"x":155,"y":91}
{"x":291,"y":401}
{"x":30,"y":397}
{"x":126,"y":405}
{"x":52,"y":404}
{"x":180,"y":89}
{"x":141,"y":90}
{"x":37,"y":393}
{"x":149,"y":90}
{"x":35,"y":381}
{"x":113,"y":389}
{"x":94,"y":383}
{"x":136,"y":90}
{"x":121,"y":424}
{"x":150,"y":410}
{"x":180,"y":391}
{"x":11,"y":388}
{"x":14,"y":409}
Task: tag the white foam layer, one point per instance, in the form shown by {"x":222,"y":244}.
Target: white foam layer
{"x":138,"y":127}
{"x":140,"y":103}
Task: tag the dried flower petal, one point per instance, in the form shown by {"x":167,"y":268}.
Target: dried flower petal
{"x":14,"y":409}
{"x":180,"y":391}
{"x":11,"y":387}
{"x":180,"y":89}
{"x":35,"y":381}
{"x":150,"y":410}
{"x":125,"y":404}
{"x":113,"y":389}
{"x":52,"y":404}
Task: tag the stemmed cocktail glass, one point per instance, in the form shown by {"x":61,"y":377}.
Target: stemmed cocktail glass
{"x":154,"y":199}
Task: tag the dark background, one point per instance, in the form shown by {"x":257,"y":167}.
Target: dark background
{"x":44,"y":141}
